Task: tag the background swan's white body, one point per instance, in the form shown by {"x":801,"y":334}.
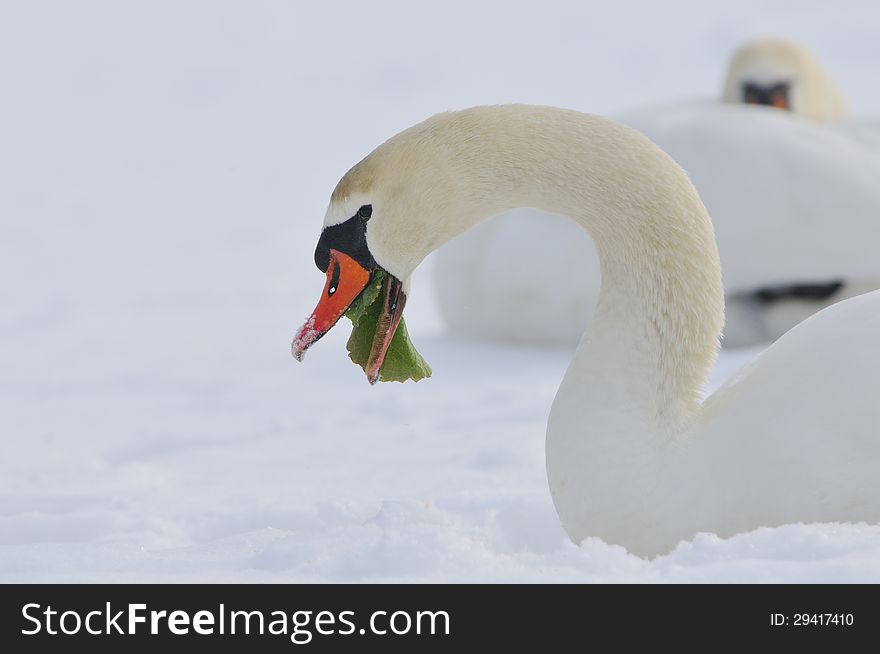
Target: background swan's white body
{"x":525,"y":276}
{"x":791,"y":200}
{"x":770,"y":183}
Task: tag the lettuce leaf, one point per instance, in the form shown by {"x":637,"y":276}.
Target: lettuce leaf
{"x":402,"y":361}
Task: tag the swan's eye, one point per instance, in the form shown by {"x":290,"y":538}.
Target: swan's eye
{"x":751,"y":94}
{"x":365,"y":211}
{"x":334,"y":280}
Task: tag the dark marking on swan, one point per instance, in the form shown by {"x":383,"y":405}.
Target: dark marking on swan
{"x":334,"y":280}
{"x":771,"y":95}
{"x":811,"y":291}
{"x":349,"y":237}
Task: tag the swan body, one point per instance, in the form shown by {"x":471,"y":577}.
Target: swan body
{"x":794,"y":202}
{"x":481,"y":295}
{"x":633,"y":455}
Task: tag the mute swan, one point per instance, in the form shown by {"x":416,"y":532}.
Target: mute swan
{"x":632,"y":455}
{"x":780,"y":190}
{"x":796,"y":208}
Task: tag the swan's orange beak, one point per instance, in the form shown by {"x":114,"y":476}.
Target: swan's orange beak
{"x":780,"y":101}
{"x":776,"y":95}
{"x":346,"y":279}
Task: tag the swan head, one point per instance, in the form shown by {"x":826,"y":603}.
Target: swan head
{"x":387,"y":213}
{"x":782,"y":74}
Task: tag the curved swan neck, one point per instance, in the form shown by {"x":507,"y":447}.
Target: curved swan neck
{"x":654,"y":336}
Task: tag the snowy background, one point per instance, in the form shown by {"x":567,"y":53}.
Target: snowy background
{"x":164,"y":170}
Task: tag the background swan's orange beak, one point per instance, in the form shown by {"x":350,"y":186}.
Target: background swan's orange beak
{"x":780,"y":101}
{"x":346,"y":279}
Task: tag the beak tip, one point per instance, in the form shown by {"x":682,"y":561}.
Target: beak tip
{"x":298,"y":347}
{"x":305,"y":336}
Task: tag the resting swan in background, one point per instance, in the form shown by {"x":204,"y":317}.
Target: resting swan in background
{"x":796,"y":207}
{"x":781,"y":190}
{"x":632,"y":454}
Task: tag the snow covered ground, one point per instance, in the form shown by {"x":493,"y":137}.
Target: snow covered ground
{"x":165,"y":170}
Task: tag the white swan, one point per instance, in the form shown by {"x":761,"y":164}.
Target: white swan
{"x":786,"y":75}
{"x":770,"y":181}
{"x":633,"y":457}
{"x":796,"y":208}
